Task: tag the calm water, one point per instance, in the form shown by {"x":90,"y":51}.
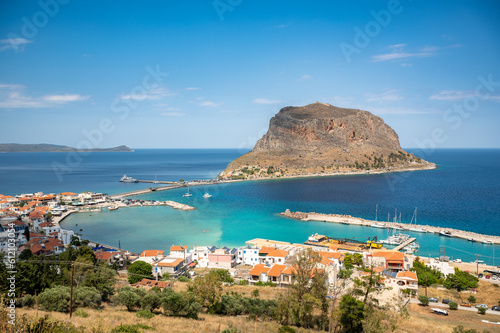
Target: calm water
{"x":462,"y":193}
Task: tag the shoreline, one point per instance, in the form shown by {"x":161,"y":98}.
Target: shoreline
{"x":348,"y":219}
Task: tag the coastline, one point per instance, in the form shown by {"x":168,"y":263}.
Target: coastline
{"x":348,"y":219}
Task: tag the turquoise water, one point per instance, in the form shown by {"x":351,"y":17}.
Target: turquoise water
{"x":462,"y":193}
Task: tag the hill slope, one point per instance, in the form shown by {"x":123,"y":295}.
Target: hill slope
{"x":46,"y":148}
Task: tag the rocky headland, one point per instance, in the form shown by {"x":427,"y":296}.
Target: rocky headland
{"x":322,"y":139}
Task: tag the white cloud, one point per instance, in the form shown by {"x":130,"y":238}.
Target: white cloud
{"x":305,"y":77}
{"x":16,"y":44}
{"x":397,"y":52}
{"x":453,"y":95}
{"x":172,"y":114}
{"x":12,"y":97}
{"x":192,"y":88}
{"x":397,"y":47}
{"x":265,"y":101}
{"x":210,"y":104}
{"x":388,"y":96}
{"x":152,"y":94}
{"x":406,"y":64}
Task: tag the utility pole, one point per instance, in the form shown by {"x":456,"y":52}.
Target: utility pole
{"x":71,"y":292}
{"x":477,"y":265}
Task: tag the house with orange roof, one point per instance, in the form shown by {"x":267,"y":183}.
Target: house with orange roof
{"x":48,"y":228}
{"x":276,"y":256}
{"x":43,"y":246}
{"x":67,"y":197}
{"x":5,"y":204}
{"x":148,"y":284}
{"x":151,"y":256}
{"x":167,"y":265}
{"x":259,"y":273}
{"x":110,"y":257}
{"x":392,"y":260}
{"x":181,"y":251}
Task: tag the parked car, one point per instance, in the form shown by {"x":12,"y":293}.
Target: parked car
{"x":495,"y":308}
{"x":446,"y":301}
{"x":480,"y":275}
{"x":433,"y":299}
{"x":494,"y":277}
{"x":487,"y":276}
{"x":467,"y":305}
{"x":482,"y":306}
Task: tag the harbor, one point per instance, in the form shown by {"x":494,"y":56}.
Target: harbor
{"x":348,"y":219}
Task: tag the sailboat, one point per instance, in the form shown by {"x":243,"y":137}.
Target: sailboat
{"x":187,"y":194}
{"x":156,"y":181}
{"x":416,"y":229}
{"x":377,"y":224}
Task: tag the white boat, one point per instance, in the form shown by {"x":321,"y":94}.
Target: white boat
{"x":126,"y":179}
{"x":445,"y":233}
{"x":188,"y":194}
{"x":378,"y":225}
{"x":112,"y":207}
{"x":156,"y":181}
{"x":206,"y":195}
{"x":486,"y":241}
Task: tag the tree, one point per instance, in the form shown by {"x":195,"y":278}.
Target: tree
{"x":351,"y":314}
{"x":472,"y":299}
{"x":139,"y":270}
{"x":26,"y":255}
{"x":453,"y":305}
{"x":181,"y":304}
{"x":223,"y":275}
{"x":427,"y":276}
{"x":481,"y":310}
{"x":55,"y":299}
{"x":367,"y":286}
{"x":306,"y":294}
{"x":126,"y":296}
{"x":424,"y":300}
{"x":358,"y":259}
{"x":27,"y":233}
{"x":460,"y":280}
{"x":75,"y":241}
{"x":151,"y":301}
{"x":87,"y":296}
{"x":348,"y":261}
{"x":87,"y":253}
{"x":206,"y":289}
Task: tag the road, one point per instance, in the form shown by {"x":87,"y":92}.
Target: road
{"x":446,"y":307}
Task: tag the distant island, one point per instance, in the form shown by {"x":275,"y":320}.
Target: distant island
{"x":47,"y":148}
{"x":322,"y":139}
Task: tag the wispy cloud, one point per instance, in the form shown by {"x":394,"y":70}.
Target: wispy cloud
{"x":265,"y":101}
{"x":210,"y":104}
{"x":172,"y":114}
{"x":342,"y":101}
{"x":192,"y":88}
{"x":305,"y":77}
{"x":153,"y":94}
{"x":453,"y":95}
{"x":16,"y":44}
{"x":397,"y":52}
{"x":387,"y":96}
{"x":12,"y":97}
{"x":281,"y":26}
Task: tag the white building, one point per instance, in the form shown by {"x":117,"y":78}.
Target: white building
{"x":248,"y":255}
{"x":180,"y":251}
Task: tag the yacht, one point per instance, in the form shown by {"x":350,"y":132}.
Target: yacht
{"x":188,"y":194}
{"x":415,"y":228}
{"x":126,"y":179}
{"x":445,"y":233}
{"x":378,"y":225}
{"x":206,"y":195}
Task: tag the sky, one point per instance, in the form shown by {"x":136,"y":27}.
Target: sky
{"x":211,"y":74}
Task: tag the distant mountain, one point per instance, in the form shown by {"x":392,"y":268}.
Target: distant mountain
{"x":46,"y":148}
{"x":324,"y":139}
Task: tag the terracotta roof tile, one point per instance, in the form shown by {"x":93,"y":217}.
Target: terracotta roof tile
{"x":276,"y":270}
{"x":259,"y":269}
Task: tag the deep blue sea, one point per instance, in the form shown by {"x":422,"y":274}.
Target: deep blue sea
{"x":463,"y":193}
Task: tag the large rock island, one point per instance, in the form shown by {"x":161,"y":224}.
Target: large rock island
{"x":47,"y":148}
{"x":322,"y":139}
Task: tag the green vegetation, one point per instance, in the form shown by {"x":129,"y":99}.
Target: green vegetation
{"x":472,"y":299}
{"x":424,"y":300}
{"x":145,"y":314}
{"x":138,"y":271}
{"x":352,"y":314}
{"x":460,"y":280}
{"x":130,"y":328}
{"x":481,"y":310}
{"x":426,"y":276}
{"x":453,"y":305}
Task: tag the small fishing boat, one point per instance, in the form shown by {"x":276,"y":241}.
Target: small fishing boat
{"x":206,"y":195}
{"x":445,"y":233}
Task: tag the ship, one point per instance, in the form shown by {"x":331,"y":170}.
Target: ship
{"x":126,"y":179}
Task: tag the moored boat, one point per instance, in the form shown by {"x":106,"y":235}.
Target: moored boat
{"x":126,"y":179}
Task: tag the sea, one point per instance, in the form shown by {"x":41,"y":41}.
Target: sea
{"x":462,"y":193}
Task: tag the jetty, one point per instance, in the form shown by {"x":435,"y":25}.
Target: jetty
{"x":404,"y":244}
{"x":145,"y":191}
{"x":348,"y":219}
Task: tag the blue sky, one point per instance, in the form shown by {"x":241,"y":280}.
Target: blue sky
{"x":210,"y":74}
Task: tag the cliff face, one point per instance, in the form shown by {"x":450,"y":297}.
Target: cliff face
{"x":321,"y":138}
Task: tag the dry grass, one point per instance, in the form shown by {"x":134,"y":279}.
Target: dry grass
{"x":487,"y":294}
{"x":265,"y":292}
{"x":423,"y":321}
{"x":110,"y":317}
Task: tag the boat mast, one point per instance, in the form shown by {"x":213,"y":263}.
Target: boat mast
{"x":376,"y":210}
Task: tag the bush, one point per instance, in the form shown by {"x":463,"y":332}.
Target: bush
{"x":481,"y":310}
{"x":181,"y":304}
{"x":150,"y":302}
{"x":55,"y":299}
{"x":183,"y":279}
{"x":472,"y":299}
{"x":255,"y":293}
{"x":231,"y":330}
{"x":453,"y":305}
{"x":145,"y":314}
{"x":243,"y":283}
{"x":87,"y":296}
{"x":28,"y":301}
{"x":140,"y":268}
{"x":126,"y":296}
{"x":286,"y":329}
{"x":424,"y":300}
{"x":263,"y":284}
{"x":129,"y":328}
{"x":81,"y":313}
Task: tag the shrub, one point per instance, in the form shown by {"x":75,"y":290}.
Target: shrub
{"x":481,"y":310}
{"x":145,"y":314}
{"x":181,"y":304}
{"x":231,"y":330}
{"x":286,"y":329}
{"x":150,"y":302}
{"x":453,"y":305}
{"x":81,"y":313}
{"x":140,"y":268}
{"x":255,"y":293}
{"x":243,"y":283}
{"x":472,"y":299}
{"x":87,"y":296}
{"x":129,"y":328}
{"x":55,"y":299}
{"x":183,"y":279}
{"x":129,"y":298}
{"x":28,"y":301}
{"x":424,"y":300}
